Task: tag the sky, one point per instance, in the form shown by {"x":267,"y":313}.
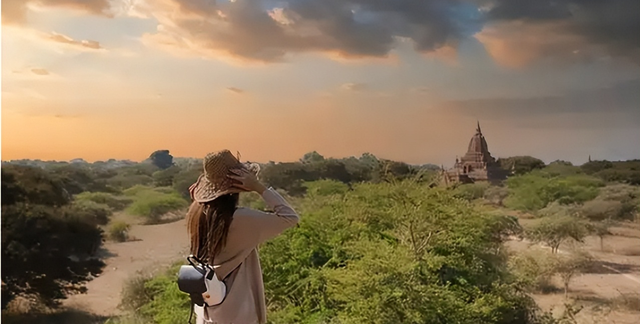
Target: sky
{"x":273,"y":79}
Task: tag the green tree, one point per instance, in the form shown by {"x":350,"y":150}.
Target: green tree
{"x":312,"y":157}
{"x":165,"y":177}
{"x":592,"y":167}
{"x":162,"y":159}
{"x":521,"y":164}
{"x":554,"y":230}
{"x":47,"y":247}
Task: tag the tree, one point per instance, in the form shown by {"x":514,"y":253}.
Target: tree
{"x":47,"y":246}
{"x":312,"y":157}
{"x":601,"y":229}
{"x":521,"y":164}
{"x":595,"y":166}
{"x":165,"y":177}
{"x":567,"y":267}
{"x":555,"y":230}
{"x":162,"y":159}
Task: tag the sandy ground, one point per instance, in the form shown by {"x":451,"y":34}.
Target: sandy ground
{"x":618,"y":274}
{"x":154,"y":247}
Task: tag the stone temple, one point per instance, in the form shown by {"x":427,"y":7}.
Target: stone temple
{"x":477,"y":165}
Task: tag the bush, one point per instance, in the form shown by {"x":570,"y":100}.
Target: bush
{"x":119,"y":231}
{"x":157,"y":299}
{"x":534,"y":269}
{"x":599,"y":209}
{"x":471,"y":191}
{"x":535,"y":190}
{"x":122,"y":181}
{"x":114,"y":202}
{"x":95,"y":212}
{"x":153,"y":204}
{"x":326,"y":188}
{"x":496,"y":195}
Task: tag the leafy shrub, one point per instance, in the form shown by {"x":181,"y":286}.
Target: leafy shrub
{"x":496,"y":195}
{"x":599,"y":209}
{"x":153,"y":204}
{"x":386,"y":246}
{"x":122,"y":181}
{"x":471,"y":191}
{"x":535,"y":190}
{"x":95,"y":212}
{"x":157,"y":298}
{"x":326,"y":188}
{"x":119,"y":231}
{"x":534,"y":269}
{"x":114,"y":202}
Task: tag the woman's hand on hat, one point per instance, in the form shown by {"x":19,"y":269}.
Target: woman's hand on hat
{"x":246,"y":180}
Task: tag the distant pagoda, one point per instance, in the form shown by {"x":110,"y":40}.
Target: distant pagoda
{"x":477,"y":165}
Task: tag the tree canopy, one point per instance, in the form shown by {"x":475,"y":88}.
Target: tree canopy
{"x":47,"y":246}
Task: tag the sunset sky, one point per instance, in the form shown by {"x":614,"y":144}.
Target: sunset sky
{"x":403,"y":79}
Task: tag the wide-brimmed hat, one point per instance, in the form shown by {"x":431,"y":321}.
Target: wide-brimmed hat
{"x":214,"y":182}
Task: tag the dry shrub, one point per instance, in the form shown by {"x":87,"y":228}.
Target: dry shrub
{"x":599,"y":209}
{"x":119,"y":231}
{"x":535,"y":270}
{"x":627,"y":302}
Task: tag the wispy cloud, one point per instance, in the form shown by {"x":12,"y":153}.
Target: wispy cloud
{"x":354,"y":86}
{"x":14,"y":12}
{"x":40,"y":71}
{"x":235,"y":90}
{"x":64,"y":39}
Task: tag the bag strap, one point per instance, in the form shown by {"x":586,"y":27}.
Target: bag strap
{"x":191,"y":311}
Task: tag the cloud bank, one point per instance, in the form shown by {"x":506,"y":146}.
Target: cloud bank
{"x":613,"y":107}
{"x":515,"y":33}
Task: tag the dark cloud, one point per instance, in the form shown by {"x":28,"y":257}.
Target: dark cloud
{"x":349,"y":28}
{"x":616,"y":106}
{"x":611,"y":24}
{"x":515,"y":32}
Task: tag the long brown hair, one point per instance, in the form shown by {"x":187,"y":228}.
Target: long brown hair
{"x":208,"y":225}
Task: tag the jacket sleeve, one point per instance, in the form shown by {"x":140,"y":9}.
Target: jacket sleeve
{"x":267,"y":225}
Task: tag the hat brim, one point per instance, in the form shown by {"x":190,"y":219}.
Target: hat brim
{"x":204,"y":191}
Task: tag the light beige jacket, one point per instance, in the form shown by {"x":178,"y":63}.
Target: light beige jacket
{"x":239,"y":264}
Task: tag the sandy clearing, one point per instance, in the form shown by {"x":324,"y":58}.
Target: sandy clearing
{"x":155,"y":247}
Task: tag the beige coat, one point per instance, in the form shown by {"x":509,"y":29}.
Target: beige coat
{"x":239,"y":264}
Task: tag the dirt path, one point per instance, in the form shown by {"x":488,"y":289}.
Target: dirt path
{"x":156,"y":246}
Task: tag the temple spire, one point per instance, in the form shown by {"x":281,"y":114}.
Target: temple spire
{"x":478,"y":129}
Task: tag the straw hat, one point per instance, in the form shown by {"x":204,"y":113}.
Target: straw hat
{"x":214,"y":182}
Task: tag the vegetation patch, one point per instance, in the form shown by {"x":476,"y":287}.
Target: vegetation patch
{"x":153,"y":203}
